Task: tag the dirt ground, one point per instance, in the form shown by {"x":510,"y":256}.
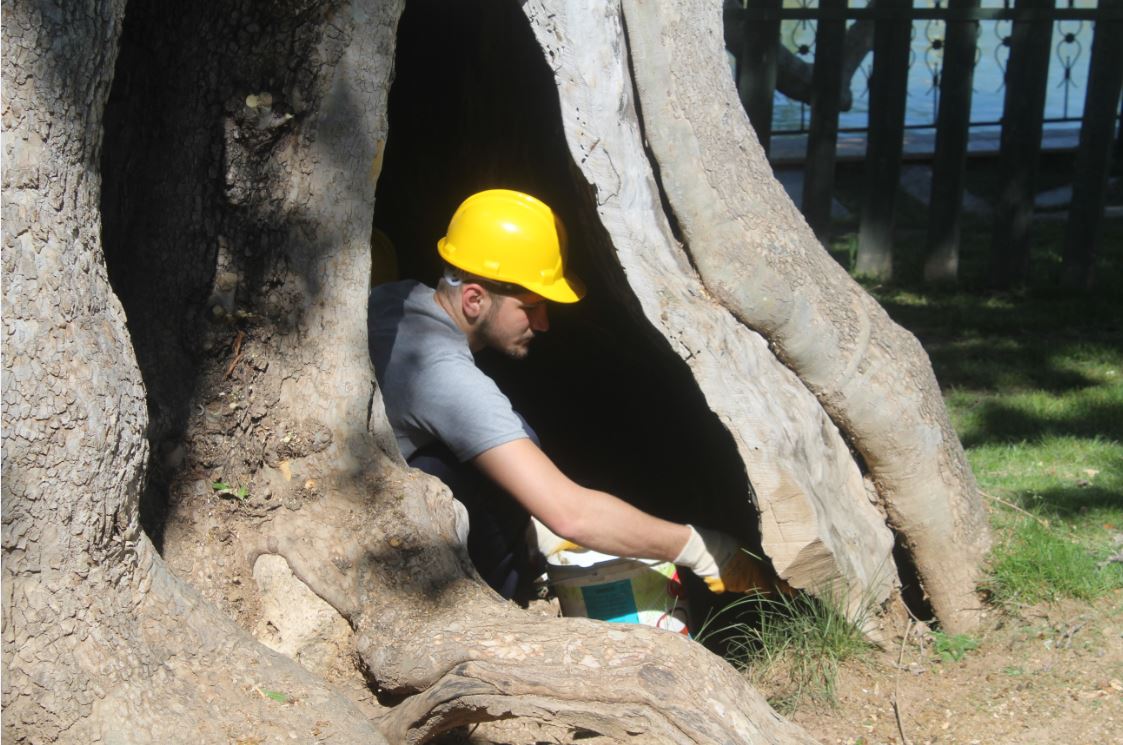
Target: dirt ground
{"x":1051,"y":674}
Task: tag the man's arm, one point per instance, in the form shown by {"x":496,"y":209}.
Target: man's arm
{"x":588,"y":517}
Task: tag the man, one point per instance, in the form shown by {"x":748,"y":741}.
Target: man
{"x":505,"y":259}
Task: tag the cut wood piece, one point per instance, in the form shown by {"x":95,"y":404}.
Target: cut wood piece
{"x":814,"y":509}
{"x":757,"y":256}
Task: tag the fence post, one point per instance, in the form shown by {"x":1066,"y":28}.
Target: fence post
{"x":1023,"y":111}
{"x":822,"y":136}
{"x":756,"y":67}
{"x":1093,"y":158}
{"x":888,"y":89}
{"x":950,"y":159}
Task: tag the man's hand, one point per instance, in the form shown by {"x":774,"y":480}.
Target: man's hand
{"x":723,"y":564}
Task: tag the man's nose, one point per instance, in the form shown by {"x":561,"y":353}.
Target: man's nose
{"x":539,"y":321}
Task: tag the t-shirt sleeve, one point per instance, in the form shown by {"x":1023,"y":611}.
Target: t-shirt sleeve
{"x":465,"y":410}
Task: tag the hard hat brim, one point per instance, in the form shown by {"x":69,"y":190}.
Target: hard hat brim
{"x":565,"y":290}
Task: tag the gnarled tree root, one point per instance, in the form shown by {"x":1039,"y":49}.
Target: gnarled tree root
{"x":461,"y":654}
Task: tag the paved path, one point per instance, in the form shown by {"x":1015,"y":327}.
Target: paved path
{"x":919,"y":144}
{"x":916,"y":181}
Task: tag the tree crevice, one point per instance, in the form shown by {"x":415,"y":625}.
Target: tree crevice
{"x":613,"y":385}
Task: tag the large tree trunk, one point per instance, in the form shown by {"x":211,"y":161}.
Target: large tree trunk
{"x":243,"y":147}
{"x":759,"y":258}
{"x":101,"y":642}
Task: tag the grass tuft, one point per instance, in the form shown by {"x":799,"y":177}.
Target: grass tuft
{"x":790,"y":648}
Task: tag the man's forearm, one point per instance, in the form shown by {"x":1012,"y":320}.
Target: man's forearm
{"x":590,"y":518}
{"x":605,"y":523}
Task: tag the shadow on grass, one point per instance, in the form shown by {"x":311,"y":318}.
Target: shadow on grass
{"x":941,"y":314}
{"x":1064,"y":502}
{"x":1008,"y":364}
{"x":1009,"y":342}
{"x":996,"y":421}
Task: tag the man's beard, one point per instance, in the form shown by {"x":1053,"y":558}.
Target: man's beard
{"x":516,"y":349}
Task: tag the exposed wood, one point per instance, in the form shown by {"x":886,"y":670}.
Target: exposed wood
{"x":1093,"y":158}
{"x":756,"y":255}
{"x":822,"y":137}
{"x":950,"y":160}
{"x":1023,"y":111}
{"x":888,"y":92}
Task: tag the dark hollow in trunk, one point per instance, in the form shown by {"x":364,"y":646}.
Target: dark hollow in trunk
{"x":162,"y":200}
{"x":474,"y":106}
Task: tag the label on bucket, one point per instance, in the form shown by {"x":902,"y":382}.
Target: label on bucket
{"x":620,"y":590}
{"x":612,"y":601}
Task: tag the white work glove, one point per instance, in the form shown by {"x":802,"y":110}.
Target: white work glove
{"x":549,"y":542}
{"x":722,"y":563}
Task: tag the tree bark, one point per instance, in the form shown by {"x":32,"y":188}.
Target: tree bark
{"x":808,"y":490}
{"x":760,"y":260}
{"x":100,"y":641}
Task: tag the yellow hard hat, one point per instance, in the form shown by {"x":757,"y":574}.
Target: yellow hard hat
{"x":508,"y":236}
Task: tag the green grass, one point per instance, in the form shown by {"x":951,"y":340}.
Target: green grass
{"x":1033,"y":381}
{"x":1036,"y":396}
{"x":1035,"y":563}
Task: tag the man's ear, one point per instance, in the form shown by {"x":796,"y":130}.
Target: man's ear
{"x":473,"y":300}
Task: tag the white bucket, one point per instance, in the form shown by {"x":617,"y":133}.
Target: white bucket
{"x":594,"y":585}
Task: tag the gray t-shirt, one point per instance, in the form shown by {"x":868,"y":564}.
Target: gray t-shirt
{"x":430,"y":383}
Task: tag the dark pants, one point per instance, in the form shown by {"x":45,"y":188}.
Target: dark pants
{"x":497,"y":524}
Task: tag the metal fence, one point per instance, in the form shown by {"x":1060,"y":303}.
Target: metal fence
{"x":1073,"y":22}
{"x":813,"y":52}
